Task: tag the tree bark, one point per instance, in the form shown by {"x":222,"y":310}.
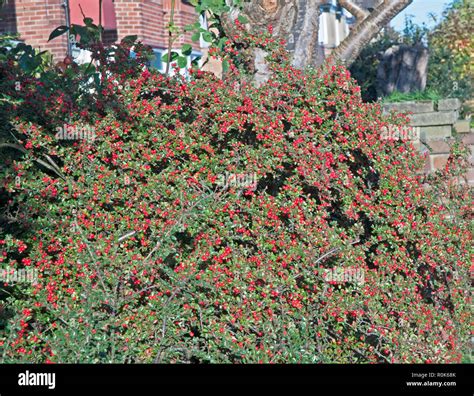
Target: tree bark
{"x":354,"y":9}
{"x":367,"y":29}
{"x":297,"y":22}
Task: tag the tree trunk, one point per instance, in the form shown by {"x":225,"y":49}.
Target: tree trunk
{"x":367,"y":29}
{"x":297,"y":22}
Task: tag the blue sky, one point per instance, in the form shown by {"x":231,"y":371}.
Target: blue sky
{"x":420,"y":9}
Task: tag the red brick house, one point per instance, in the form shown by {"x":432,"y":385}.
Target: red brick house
{"x":34,"y":20}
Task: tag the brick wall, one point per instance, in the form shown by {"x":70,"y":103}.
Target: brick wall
{"x":34,"y":20}
{"x":154,"y":23}
{"x":129,"y":15}
{"x":184,"y":15}
{"x":438,"y":123}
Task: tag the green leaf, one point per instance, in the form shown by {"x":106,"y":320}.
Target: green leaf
{"x":97,"y":79}
{"x":207,"y":36}
{"x":186,"y":49}
{"x":225,"y":65}
{"x":174,"y":56}
{"x":196,"y":36}
{"x":130,"y":39}
{"x":58,"y":32}
{"x":195,"y":61}
{"x":242,"y":19}
{"x":82,"y":32}
{"x":221,"y":43}
{"x":182,"y":62}
{"x":88,"y":21}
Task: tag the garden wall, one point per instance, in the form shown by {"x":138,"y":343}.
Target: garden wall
{"x":438,"y":123}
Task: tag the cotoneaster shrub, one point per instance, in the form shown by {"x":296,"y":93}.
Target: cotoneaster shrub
{"x":144,"y":256}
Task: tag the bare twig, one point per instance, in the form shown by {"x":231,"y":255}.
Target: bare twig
{"x":170,"y":37}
